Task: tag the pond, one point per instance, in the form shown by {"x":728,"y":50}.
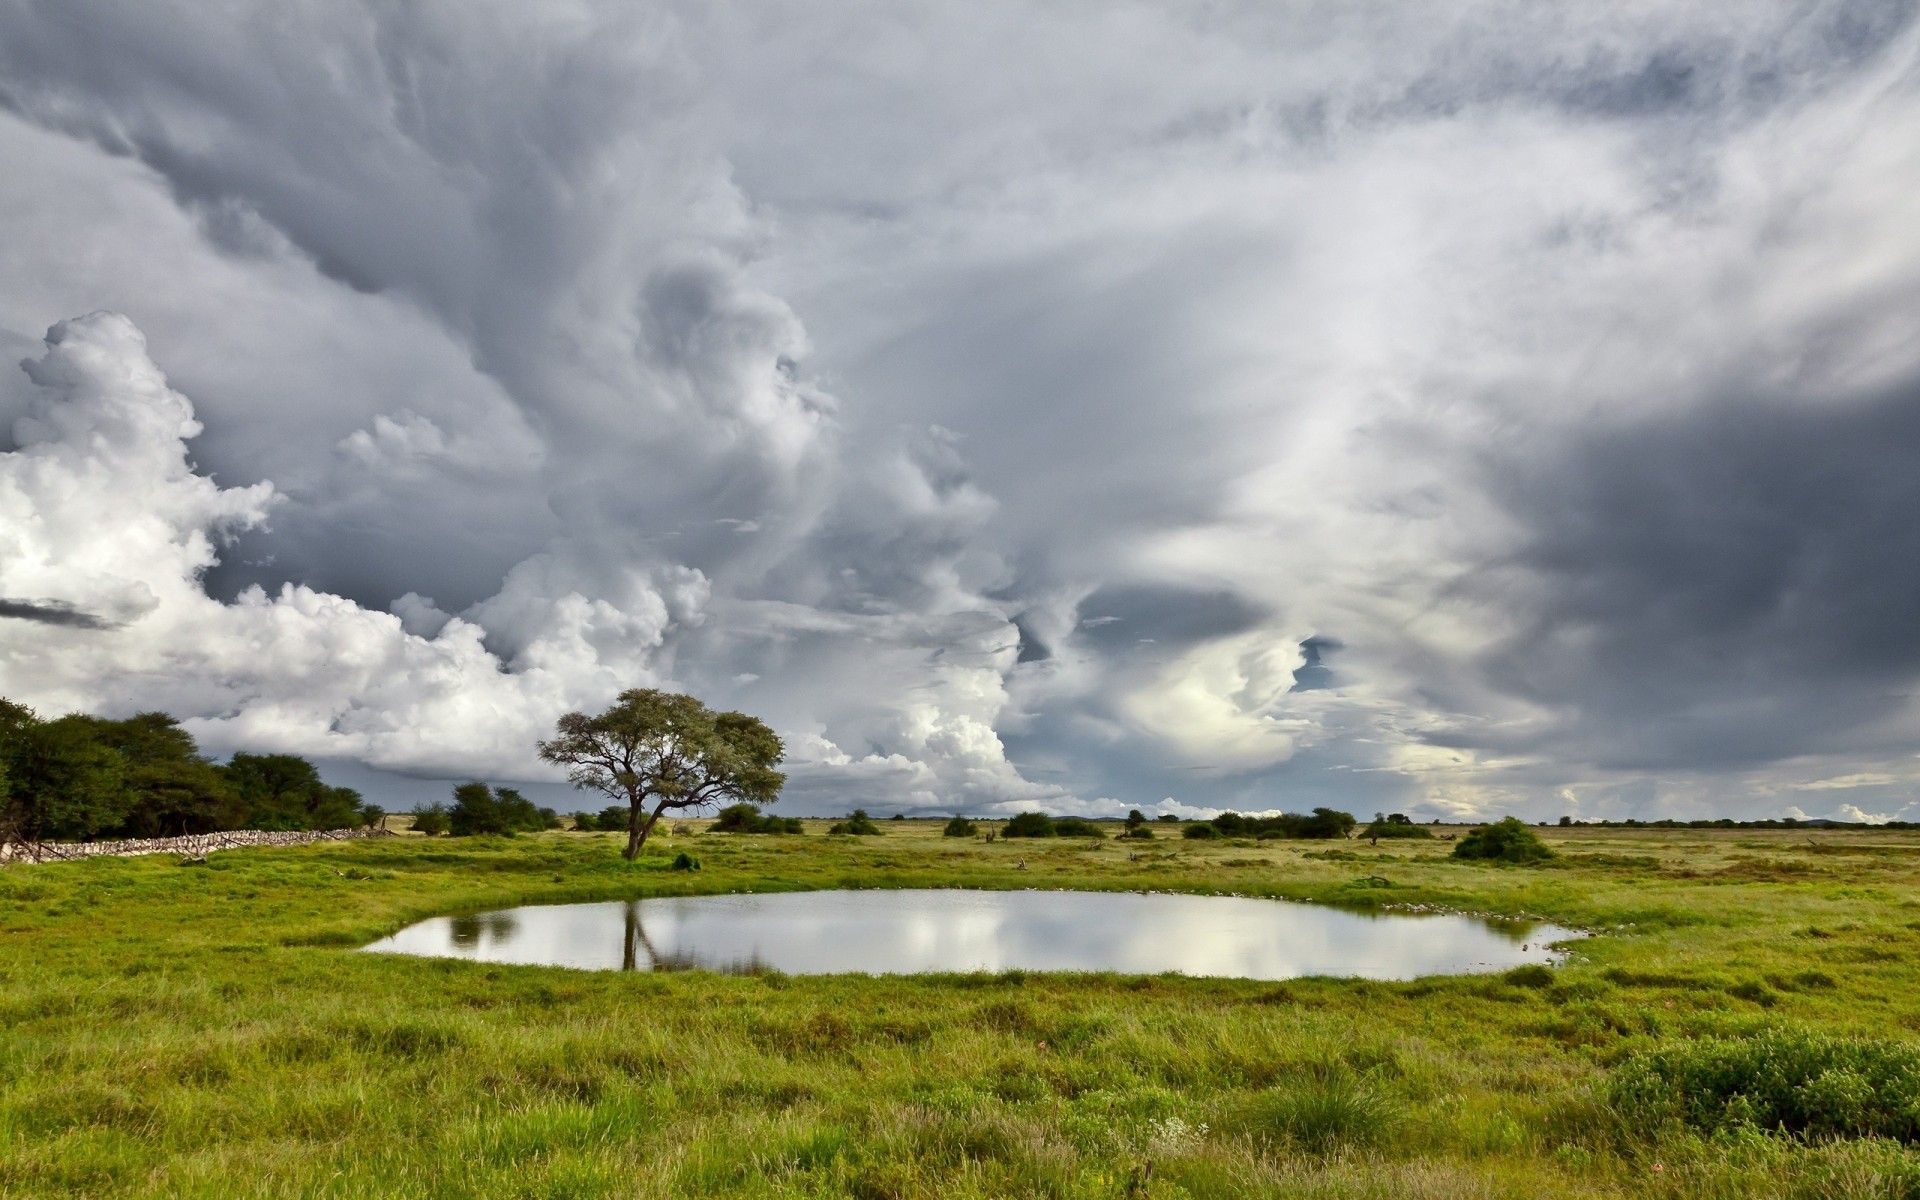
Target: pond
{"x":915,"y":931}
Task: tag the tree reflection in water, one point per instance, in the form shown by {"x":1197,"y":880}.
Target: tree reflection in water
{"x":636,"y":941}
{"x":467,"y":932}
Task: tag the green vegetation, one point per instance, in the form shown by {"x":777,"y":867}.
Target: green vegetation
{"x":959,"y":827}
{"x":1395,"y":825}
{"x":208,"y":1031}
{"x":747,"y":818}
{"x":78,"y":777}
{"x":1506,"y":840}
{"x":1811,"y":1084}
{"x":1040,"y":825}
{"x":857,"y":824}
{"x":479,"y":809}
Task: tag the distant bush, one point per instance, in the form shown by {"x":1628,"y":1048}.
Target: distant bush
{"x":747,"y":818}
{"x":1139,"y":833}
{"x":1200,"y":832}
{"x":1790,"y":1081}
{"x":611,"y":819}
{"x":1168,"y":819}
{"x":858,"y":823}
{"x":959,"y":827}
{"x":1506,"y":840}
{"x":430,"y":819}
{"x":685,"y":862}
{"x":479,"y":809}
{"x":1321,"y":823}
{"x":1395,"y":825}
{"x":1030,"y":825}
{"x":1076,"y":827}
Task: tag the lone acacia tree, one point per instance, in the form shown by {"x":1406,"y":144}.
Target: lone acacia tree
{"x":667,"y":751}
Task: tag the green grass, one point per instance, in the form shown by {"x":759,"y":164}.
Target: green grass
{"x":208,"y":1030}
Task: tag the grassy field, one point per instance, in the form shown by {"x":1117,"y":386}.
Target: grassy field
{"x":207,"y":1030}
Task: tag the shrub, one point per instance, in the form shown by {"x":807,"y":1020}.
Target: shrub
{"x":1506,"y":840}
{"x":479,"y":809}
{"x":1390,"y":828}
{"x":1140,"y":833}
{"x":747,"y":818}
{"x":430,"y":819}
{"x":1076,"y":827}
{"x":858,"y":823}
{"x":1791,"y":1081}
{"x":959,"y":827}
{"x":1200,"y":832}
{"x":1030,"y":825}
{"x":685,"y":862}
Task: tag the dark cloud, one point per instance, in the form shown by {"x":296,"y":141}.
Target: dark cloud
{"x":51,"y":612}
{"x":1731,"y":585}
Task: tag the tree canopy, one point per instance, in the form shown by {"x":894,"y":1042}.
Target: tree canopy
{"x":660,"y":750}
{"x":79,"y":777}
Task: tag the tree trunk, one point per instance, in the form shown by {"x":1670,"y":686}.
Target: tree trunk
{"x":638,"y":827}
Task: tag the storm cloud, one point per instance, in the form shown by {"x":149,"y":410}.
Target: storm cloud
{"x":1484,"y":408}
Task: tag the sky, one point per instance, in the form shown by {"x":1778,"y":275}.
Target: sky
{"x":1456,"y":409}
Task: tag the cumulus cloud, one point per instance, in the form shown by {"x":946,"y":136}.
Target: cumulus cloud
{"x":1494,"y":408}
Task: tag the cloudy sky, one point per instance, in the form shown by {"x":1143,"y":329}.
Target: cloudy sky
{"x":1454,"y":408}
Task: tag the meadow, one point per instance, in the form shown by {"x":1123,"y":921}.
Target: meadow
{"x":209,"y":1030}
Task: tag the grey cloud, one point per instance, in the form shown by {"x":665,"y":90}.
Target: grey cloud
{"x":1114,"y":384}
{"x":1732,"y":585}
{"x":53,"y":612}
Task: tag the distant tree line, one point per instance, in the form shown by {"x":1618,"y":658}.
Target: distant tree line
{"x":479,"y":809}
{"x":1320,"y":823}
{"x":77,"y":778}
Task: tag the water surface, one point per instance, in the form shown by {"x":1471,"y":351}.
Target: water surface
{"x":914,"y":931}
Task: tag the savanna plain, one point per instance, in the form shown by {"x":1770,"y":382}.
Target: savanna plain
{"x":1740,"y":1024}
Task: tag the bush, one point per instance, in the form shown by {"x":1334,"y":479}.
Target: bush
{"x":1391,"y":828}
{"x":858,"y":823}
{"x":1030,"y":825}
{"x":1076,"y":827}
{"x":685,"y":862}
{"x":959,"y":827}
{"x":1139,"y":833}
{"x":1507,"y":840}
{"x":747,"y":818}
{"x":479,"y":809}
{"x":1790,"y":1081}
{"x":1199,"y":832}
{"x":430,"y":819}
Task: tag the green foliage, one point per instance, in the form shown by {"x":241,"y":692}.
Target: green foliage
{"x":1200,"y":832}
{"x":1786,"y":1080}
{"x":1142,"y":833}
{"x":858,"y":824}
{"x":63,"y":781}
{"x":611,"y":819}
{"x":1322,"y":823}
{"x":1076,"y":827}
{"x":431,"y":819}
{"x":959,"y":827}
{"x":478,"y":809}
{"x":667,"y":751}
{"x":1030,"y":825}
{"x":285,"y":791}
{"x":747,"y":818}
{"x":1507,"y":840}
{"x":1396,"y":826}
{"x":685,"y":862}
